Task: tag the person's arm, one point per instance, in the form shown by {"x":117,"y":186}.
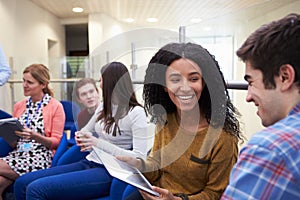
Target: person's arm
{"x":151,"y":166}
{"x":140,"y":137}
{"x":259,"y":174}
{"x":152,"y":163}
{"x":5,"y":70}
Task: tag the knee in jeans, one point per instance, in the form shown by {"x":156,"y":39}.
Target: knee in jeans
{"x":20,"y":185}
{"x":35,"y":190}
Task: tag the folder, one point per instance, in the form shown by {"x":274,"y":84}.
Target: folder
{"x":7,"y":129}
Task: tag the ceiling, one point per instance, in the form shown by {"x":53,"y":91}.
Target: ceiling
{"x":170,"y":13}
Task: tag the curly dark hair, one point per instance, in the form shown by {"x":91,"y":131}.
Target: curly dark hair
{"x":215,"y":102}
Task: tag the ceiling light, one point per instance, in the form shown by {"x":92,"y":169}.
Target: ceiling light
{"x":129,"y":20}
{"x":152,"y":19}
{"x":77,"y":9}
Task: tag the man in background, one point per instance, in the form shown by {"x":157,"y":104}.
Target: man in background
{"x":88,"y":95}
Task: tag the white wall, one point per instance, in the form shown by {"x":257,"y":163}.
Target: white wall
{"x":102,"y":28}
{"x":25,"y":31}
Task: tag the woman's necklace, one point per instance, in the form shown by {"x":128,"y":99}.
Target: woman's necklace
{"x":30,"y":118}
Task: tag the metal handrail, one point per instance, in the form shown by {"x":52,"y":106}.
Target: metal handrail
{"x":236,"y":85}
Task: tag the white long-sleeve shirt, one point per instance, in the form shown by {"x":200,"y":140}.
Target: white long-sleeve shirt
{"x":136,"y":137}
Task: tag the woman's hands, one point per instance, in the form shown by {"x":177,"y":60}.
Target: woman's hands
{"x":164,"y":194}
{"x":85,"y":140}
{"x":30,"y":134}
{"x":26,"y":133}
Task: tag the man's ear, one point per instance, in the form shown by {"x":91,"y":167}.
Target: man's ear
{"x":286,"y":76}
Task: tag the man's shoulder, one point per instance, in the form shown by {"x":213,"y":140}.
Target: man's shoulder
{"x":281,"y":136}
{"x":83,"y":111}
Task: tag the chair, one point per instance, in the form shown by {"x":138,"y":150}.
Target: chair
{"x":61,"y":149}
{"x":4,"y":146}
{"x":71,"y":111}
{"x":71,"y":140}
{"x":4,"y":115}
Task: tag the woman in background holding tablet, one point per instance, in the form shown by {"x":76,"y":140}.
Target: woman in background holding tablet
{"x":43,"y":118}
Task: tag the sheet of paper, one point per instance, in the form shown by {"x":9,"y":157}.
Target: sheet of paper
{"x":124,"y":172}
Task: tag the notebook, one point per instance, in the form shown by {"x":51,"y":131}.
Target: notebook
{"x":124,"y":172}
{"x":7,"y":129}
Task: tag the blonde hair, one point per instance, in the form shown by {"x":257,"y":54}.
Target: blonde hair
{"x":41,"y":73}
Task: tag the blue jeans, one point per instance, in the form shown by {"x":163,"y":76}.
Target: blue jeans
{"x":80,"y":180}
{"x":131,"y":193}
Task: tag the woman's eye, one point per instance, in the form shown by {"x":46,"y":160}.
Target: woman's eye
{"x":175,"y":80}
{"x":194,"y":79}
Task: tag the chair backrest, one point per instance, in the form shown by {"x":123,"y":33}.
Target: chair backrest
{"x":71,"y":140}
{"x":4,"y":115}
{"x":71,"y":111}
{"x":61,"y":149}
{"x":4,"y":148}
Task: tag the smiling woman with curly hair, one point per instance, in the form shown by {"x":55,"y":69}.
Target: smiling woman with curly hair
{"x":197,"y":129}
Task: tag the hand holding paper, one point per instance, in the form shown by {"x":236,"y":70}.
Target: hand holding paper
{"x":125,"y":172}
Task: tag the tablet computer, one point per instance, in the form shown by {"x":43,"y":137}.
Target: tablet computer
{"x":124,"y":172}
{"x":7,"y":129}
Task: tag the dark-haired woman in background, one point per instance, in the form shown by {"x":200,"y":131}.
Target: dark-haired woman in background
{"x":120,"y":124}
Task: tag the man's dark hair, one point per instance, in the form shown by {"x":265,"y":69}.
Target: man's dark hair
{"x":273,"y":45}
